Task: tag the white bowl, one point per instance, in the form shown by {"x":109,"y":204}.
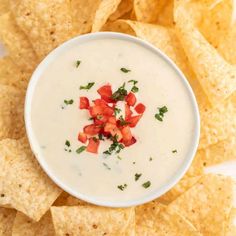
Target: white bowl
{"x":28,"y":102}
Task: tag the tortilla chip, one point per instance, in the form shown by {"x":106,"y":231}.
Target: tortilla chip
{"x":4,"y":7}
{"x":147,"y":11}
{"x":182,"y":186}
{"x":11,"y":112}
{"x":11,"y":74}
{"x":157,"y":219}
{"x":7,"y":217}
{"x":216,"y":76}
{"x":222,"y":151}
{"x":105,"y":9}
{"x":196,"y":169}
{"x":47,"y":23}
{"x":23,"y":225}
{"x":231,"y":226}
{"x":166,"y":16}
{"x":20,"y":51}
{"x":92,"y":220}
{"x":24,"y":186}
{"x":207,"y":204}
{"x":83,"y":13}
{"x":124,"y":7}
{"x":217,"y":123}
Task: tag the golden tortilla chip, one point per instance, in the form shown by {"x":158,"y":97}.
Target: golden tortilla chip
{"x":124,"y":7}
{"x":92,"y":220}
{"x":4,"y":6}
{"x":83,"y":13}
{"x":222,"y":151}
{"x":216,"y":76}
{"x":156,"y":219}
{"x":7,"y":217}
{"x":196,"y":169}
{"x":105,"y":9}
{"x":166,"y":16}
{"x":147,"y":11}
{"x":24,"y":185}
{"x":11,"y":112}
{"x":182,"y":186}
{"x":47,"y":23}
{"x":217,"y":123}
{"x":18,"y":47}
{"x":207,"y":204}
{"x":11,"y":74}
{"x":23,"y":225}
{"x":231,"y":226}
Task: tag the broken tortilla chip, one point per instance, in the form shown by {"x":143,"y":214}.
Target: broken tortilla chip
{"x":24,"y":185}
{"x":105,"y":9}
{"x":216,"y":76}
{"x":7,"y":217}
{"x":92,"y":220}
{"x":124,"y":7}
{"x":23,"y":225}
{"x":47,"y":23}
{"x":21,"y":51}
{"x":207,"y":204}
{"x":166,"y":16}
{"x":11,"y":113}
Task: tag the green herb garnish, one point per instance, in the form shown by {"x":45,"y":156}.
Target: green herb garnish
{"x":120,"y":93}
{"x":123,"y":122}
{"x":67,"y":143}
{"x":87,"y":87}
{"x":122,"y":187}
{"x":150,"y":159}
{"x":161,"y":111}
{"x":174,"y":151}
{"x":77,"y":63}
{"x":105,"y":164}
{"x":100,"y":137}
{"x":117,"y":111}
{"x":69,"y":102}
{"x":146,"y":184}
{"x":119,"y":157}
{"x":134,"y":163}
{"x":115,"y":146}
{"x":125,"y":70}
{"x":133,"y":81}
{"x":80,"y":149}
{"x":137,"y":176}
{"x":134,"y":89}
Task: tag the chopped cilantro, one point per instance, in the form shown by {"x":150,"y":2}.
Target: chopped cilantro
{"x":80,"y":149}
{"x":123,"y":122}
{"x":115,"y":146}
{"x":77,"y":63}
{"x":120,"y":93}
{"x":69,"y":102}
{"x":87,"y":87}
{"x":117,"y":111}
{"x":174,"y":151}
{"x":135,"y":89}
{"x":137,"y":176}
{"x":67,"y":143}
{"x":100,"y":136}
{"x":150,"y":159}
{"x":146,"y":184}
{"x":133,"y":81}
{"x":125,"y":70}
{"x":161,"y":111}
{"x":105,"y":164}
{"x":122,"y":187}
{"x":119,"y":157}
{"x":134,"y":162}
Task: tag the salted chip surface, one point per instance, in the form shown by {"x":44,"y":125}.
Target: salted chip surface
{"x":23,"y":225}
{"x":147,"y":10}
{"x":18,"y":46}
{"x":4,"y":6}
{"x":157,"y":219}
{"x":182,"y":186}
{"x":217,"y":123}
{"x":7,"y":217}
{"x":11,"y":74}
{"x":166,"y":16}
{"x":105,"y":9}
{"x":124,"y":7}
{"x":24,"y":185}
{"x":47,"y":23}
{"x":207,"y":204}
{"x":93,"y":220}
{"x":11,"y":112}
{"x":217,"y":77}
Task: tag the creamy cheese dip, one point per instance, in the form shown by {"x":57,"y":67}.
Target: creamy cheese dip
{"x":161,"y":147}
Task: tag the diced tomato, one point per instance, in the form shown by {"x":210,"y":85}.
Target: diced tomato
{"x":128,"y":112}
{"x":83,"y":103}
{"x":140,"y":108}
{"x":126,"y":133}
{"x":112,"y":120}
{"x":92,"y":129}
{"x":82,"y":137}
{"x":100,"y":102}
{"x":106,"y":93}
{"x":133,"y":120}
{"x":95,"y":111}
{"x":108,"y":111}
{"x":130,"y":99}
{"x":129,"y":142}
{"x":100,"y":119}
{"x":113,"y":130}
{"x":93,"y":145}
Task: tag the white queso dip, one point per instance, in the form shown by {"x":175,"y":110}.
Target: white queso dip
{"x":112,"y":120}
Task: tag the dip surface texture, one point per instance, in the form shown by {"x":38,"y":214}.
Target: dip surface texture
{"x":161,"y":147}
